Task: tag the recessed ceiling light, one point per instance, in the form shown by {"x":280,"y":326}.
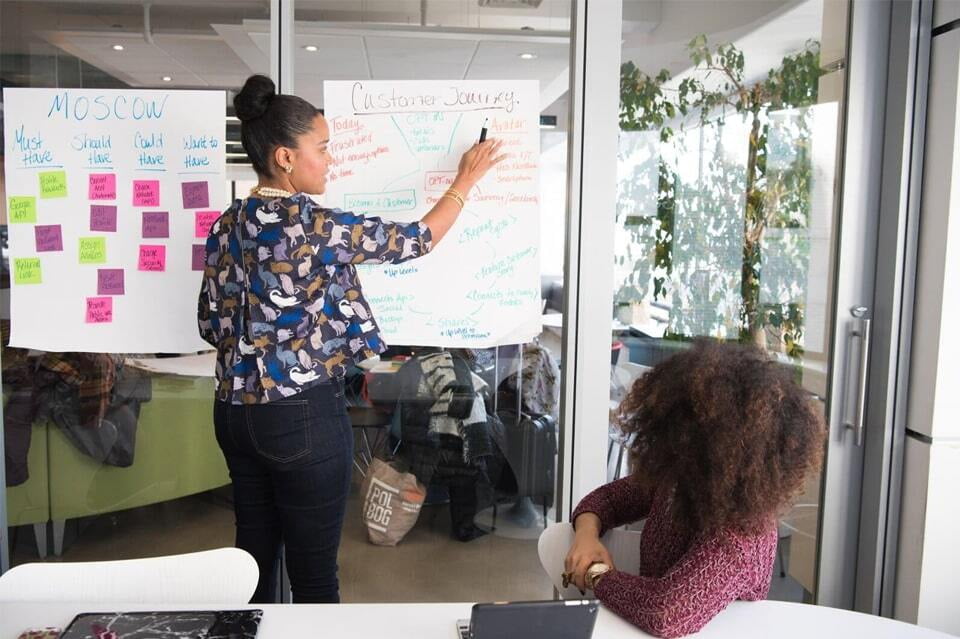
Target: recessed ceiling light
{"x":311,"y":48}
{"x":118,"y":47}
{"x":167,"y":78}
{"x":528,"y":56}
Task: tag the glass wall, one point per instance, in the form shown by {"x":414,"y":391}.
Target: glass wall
{"x":726,"y":201}
{"x":141,"y":474}
{"x":112,"y":455}
{"x":476,"y":535}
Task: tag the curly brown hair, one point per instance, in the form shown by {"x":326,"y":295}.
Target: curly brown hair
{"x":728,"y":429}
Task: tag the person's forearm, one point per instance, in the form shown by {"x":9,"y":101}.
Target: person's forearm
{"x":445,"y":212}
{"x":587,"y":524}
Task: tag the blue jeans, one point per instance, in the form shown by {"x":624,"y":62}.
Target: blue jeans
{"x":290,"y":462}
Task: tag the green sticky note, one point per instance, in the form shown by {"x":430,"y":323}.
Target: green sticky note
{"x":26,"y":270}
{"x":93,"y":250}
{"x":53,"y":184}
{"x":22,"y":209}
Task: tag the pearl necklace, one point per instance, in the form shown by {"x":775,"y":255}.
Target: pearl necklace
{"x":269,"y":191}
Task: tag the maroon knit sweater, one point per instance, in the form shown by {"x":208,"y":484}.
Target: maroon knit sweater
{"x":681,"y":583}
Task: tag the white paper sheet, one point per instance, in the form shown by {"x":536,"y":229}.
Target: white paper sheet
{"x":397,"y":146}
{"x":79,"y":153}
{"x":202,"y":365}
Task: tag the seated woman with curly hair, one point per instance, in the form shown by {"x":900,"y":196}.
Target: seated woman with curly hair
{"x":721,"y":438}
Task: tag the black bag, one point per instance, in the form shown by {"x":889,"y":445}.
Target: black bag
{"x":530,"y":446}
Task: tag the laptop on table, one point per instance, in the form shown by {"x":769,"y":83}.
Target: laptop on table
{"x":565,"y":619}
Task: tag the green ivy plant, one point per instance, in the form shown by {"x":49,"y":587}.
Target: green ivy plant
{"x":752,"y":194}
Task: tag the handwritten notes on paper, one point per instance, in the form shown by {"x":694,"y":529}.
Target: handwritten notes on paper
{"x":204,"y":220}
{"x":153,"y":257}
{"x":102,"y":192}
{"x":53,"y":184}
{"x":156,"y":224}
{"x":93,"y":250}
{"x":26,"y":270}
{"x":99,"y":310}
{"x":146,"y":193}
{"x":49,"y":238}
{"x":103,"y":186}
{"x":22,"y":210}
{"x":195,"y":195}
{"x":110,"y":281}
{"x":103,"y":217}
{"x":396,"y":147}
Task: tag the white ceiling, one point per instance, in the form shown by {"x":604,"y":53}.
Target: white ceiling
{"x":222,"y":54}
{"x":765,"y":30}
{"x":218,"y":43}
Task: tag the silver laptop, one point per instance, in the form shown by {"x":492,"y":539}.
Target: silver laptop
{"x":567,"y":619}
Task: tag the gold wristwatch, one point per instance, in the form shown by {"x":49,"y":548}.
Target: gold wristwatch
{"x":594,"y":573}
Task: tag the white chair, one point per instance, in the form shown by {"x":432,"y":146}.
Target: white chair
{"x":555,"y":542}
{"x":224,"y":576}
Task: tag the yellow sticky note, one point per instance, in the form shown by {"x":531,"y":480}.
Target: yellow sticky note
{"x":93,"y":250}
{"x":26,"y":270}
{"x":53,"y":184}
{"x":22,"y":209}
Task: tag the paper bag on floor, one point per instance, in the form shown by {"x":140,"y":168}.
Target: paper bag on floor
{"x":391,"y":502}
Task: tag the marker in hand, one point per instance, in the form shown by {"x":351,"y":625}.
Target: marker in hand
{"x":483,"y":130}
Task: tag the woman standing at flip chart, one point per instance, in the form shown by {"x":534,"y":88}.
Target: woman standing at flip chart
{"x":281,"y":302}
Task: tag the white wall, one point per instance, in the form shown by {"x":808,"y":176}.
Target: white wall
{"x":928,"y":557}
{"x":934,"y":374}
{"x":945,"y":11}
{"x":928,"y":561}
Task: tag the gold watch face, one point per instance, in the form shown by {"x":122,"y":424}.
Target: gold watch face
{"x":595,"y":571}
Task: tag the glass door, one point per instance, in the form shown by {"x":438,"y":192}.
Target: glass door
{"x":730,"y":186}
{"x":135,"y":471}
{"x":476,"y":535}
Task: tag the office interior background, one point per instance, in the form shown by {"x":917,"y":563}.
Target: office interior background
{"x":809,"y":215}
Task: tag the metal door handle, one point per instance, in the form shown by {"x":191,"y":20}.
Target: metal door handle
{"x":863,"y":333}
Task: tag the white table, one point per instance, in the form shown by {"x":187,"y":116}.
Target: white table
{"x":202,"y":365}
{"x":742,"y":620}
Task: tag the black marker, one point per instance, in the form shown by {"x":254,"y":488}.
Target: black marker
{"x":483,"y":130}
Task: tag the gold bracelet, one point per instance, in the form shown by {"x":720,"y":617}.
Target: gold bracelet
{"x":457,"y":193}
{"x":454,"y":198}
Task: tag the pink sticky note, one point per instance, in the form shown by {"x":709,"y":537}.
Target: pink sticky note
{"x":146,"y":192}
{"x":203,"y":221}
{"x":49,"y":238}
{"x":195,"y":195}
{"x":153,"y":257}
{"x":99,"y":310}
{"x":199,"y":257}
{"x":103,"y":186}
{"x":156,"y":224}
{"x":110,"y":281}
{"x":103,"y":218}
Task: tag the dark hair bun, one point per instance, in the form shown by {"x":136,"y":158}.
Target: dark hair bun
{"x":254,"y":98}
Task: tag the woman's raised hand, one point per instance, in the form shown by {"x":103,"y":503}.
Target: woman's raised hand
{"x":479,"y":159}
